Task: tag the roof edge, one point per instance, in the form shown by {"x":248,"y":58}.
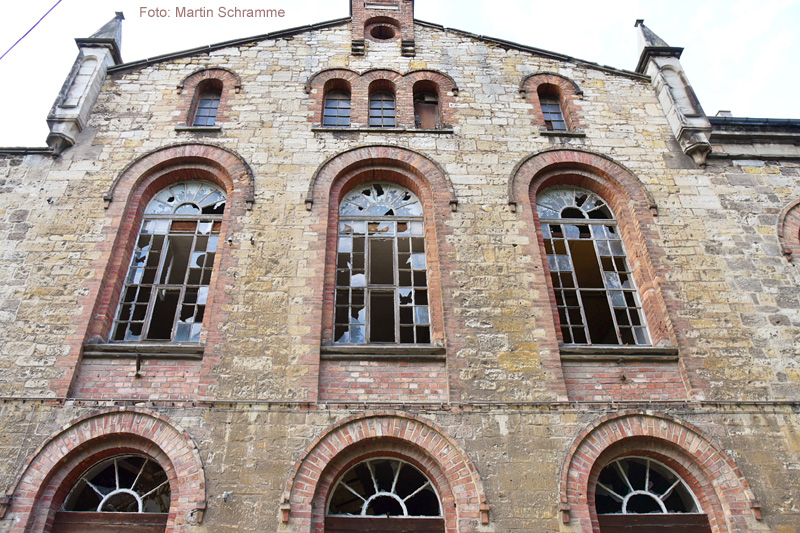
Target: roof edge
{"x":227,"y":44}
{"x":533,"y":50}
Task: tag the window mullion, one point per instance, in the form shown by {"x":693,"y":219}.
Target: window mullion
{"x":606,"y":290}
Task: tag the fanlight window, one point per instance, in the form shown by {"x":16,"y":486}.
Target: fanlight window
{"x":597,"y":300}
{"x":166,"y":289}
{"x":381,"y":268}
{"x":637,"y":485}
{"x":124,"y":484}
{"x":384,"y":487}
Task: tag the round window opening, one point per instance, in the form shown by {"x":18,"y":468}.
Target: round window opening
{"x":384,"y":487}
{"x":122,"y":484}
{"x":382,"y":33}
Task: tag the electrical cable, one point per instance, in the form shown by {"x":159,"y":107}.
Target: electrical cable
{"x":30,"y":30}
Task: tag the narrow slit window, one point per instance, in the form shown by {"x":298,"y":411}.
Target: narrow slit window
{"x":381,"y":268}
{"x":166,"y":289}
{"x":594,"y":289}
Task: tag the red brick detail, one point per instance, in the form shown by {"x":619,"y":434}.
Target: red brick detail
{"x":231,"y":84}
{"x":720,"y":487}
{"x":369,"y":381}
{"x":157,"y":379}
{"x":48,"y":475}
{"x":385,"y":434}
{"x":137,"y":184}
{"x":567,"y":90}
{"x":399,"y":12}
{"x":361,"y":85}
{"x":630,"y":203}
{"x":789,"y":232}
{"x":604,"y":381}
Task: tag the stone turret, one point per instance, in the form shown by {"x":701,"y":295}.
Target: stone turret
{"x":689,"y":123}
{"x":74,"y":103}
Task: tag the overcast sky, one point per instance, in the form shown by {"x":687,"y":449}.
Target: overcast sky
{"x":740,"y":55}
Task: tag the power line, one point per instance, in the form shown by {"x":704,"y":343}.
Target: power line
{"x":30,"y":30}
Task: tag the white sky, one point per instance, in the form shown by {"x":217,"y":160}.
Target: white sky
{"x":740,"y":55}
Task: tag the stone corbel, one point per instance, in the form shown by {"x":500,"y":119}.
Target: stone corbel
{"x":564,"y":510}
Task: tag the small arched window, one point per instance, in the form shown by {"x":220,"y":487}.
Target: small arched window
{"x":384,"y":488}
{"x":123,"y":484}
{"x":207,"y":105}
{"x":336,"y":112}
{"x":549,"y":99}
{"x":426,"y":105}
{"x":166,"y":289}
{"x":382,"y":109}
{"x":594,"y":288}
{"x":381,"y":268}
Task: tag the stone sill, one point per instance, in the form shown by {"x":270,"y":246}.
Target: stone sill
{"x":618,"y":353}
{"x":358,"y":129}
{"x":553,"y":133}
{"x":199,"y":129}
{"x":155,"y":350}
{"x":382,"y":352}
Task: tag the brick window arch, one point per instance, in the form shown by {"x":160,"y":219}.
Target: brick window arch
{"x":632,"y":207}
{"x":163,"y":171}
{"x":392,"y":436}
{"x":205,"y":97}
{"x":554,"y":101}
{"x":721,"y":500}
{"x":46,"y":481}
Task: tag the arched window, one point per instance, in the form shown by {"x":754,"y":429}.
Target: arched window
{"x":166,"y":289}
{"x":381,"y":268}
{"x":381,"y":492}
{"x":122,"y":493}
{"x":336,"y":112}
{"x":426,"y":105}
{"x":630,"y":487}
{"x":207,"y":105}
{"x":594,"y":288}
{"x":381,"y":109}
{"x":549,"y":99}
{"x":123,"y":484}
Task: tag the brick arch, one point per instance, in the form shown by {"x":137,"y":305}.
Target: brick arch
{"x":187,"y":90}
{"x":47,"y":476}
{"x":383,"y":163}
{"x":568,"y":93}
{"x":630,"y":202}
{"x":388,"y":434}
{"x":719,"y":485}
{"x":789,"y":232}
{"x":139,"y":181}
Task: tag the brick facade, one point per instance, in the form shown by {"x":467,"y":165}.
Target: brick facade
{"x":256,"y":423}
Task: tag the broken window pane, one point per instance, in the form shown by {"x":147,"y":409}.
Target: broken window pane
{"x":172,"y":264}
{"x":383,"y":252}
{"x":595,"y":293}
